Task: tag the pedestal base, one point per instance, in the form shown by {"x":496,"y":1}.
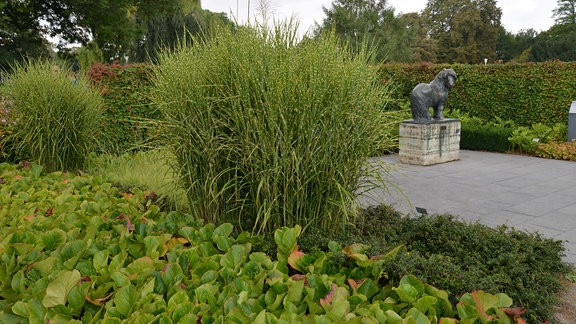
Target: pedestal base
{"x":429,"y":143}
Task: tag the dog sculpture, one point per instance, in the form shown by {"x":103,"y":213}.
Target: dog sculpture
{"x":433,"y":94}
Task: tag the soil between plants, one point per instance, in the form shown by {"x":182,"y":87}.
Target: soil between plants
{"x":566,"y":311}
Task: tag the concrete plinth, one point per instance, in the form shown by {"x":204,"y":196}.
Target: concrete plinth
{"x":429,"y":143}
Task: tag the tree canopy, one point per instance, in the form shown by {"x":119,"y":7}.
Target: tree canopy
{"x":466,"y":31}
{"x":118,"y":28}
{"x":372,"y":23}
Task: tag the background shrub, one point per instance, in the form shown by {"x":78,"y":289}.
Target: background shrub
{"x":268,"y":133}
{"x":524,"y":93}
{"x":54,"y":118}
{"x":485,"y":137}
{"x":125,"y":89}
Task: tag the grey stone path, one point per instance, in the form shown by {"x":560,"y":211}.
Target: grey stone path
{"x":527,"y":193}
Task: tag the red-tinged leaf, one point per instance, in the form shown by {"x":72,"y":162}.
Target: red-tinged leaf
{"x":29,"y":217}
{"x":514,"y":312}
{"x":354,"y":249}
{"x":294,"y":257}
{"x":298,"y":277}
{"x":328,"y":299}
{"x":127,"y":196}
{"x":128,"y":224}
{"x":99,"y":301}
{"x":2,"y":181}
{"x":85,"y":279}
{"x":49,"y":212}
{"x":354,"y":284}
{"x":66,"y":181}
{"x":479,"y":305}
{"x":24,"y":164}
{"x":17,"y":177}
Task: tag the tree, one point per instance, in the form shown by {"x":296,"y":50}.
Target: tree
{"x":19,"y":36}
{"x":466,"y":30}
{"x":565,"y":13}
{"x":557,"y":43}
{"x":369,"y":22}
{"x":515,"y":47}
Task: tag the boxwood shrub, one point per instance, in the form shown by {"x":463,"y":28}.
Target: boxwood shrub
{"x":485,"y":137}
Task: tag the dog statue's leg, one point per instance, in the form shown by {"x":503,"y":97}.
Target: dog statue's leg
{"x":438,"y":112}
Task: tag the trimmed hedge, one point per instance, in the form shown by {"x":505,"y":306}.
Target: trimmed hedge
{"x":485,"y":137}
{"x":524,"y":93}
{"x":125,"y":89}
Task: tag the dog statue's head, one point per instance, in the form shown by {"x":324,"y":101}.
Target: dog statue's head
{"x":448,"y":77}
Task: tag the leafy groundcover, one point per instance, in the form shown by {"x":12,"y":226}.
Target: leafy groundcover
{"x":75,"y":249}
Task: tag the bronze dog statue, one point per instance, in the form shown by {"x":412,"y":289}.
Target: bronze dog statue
{"x":433,"y":94}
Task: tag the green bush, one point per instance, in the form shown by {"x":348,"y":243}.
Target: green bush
{"x":485,"y":137}
{"x":527,"y":139}
{"x":54,"y":119}
{"x":125,"y":89}
{"x":267,"y":132}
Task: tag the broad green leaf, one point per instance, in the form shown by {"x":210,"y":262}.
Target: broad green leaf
{"x":368,"y":288}
{"x":407,"y":293}
{"x":58,"y":290}
{"x":417,"y":317}
{"x":295,"y":290}
{"x":223,"y":243}
{"x":45,"y":266}
{"x":235,"y":257}
{"x":120,"y":279}
{"x":32,"y":310}
{"x":285,"y":239}
{"x":100,"y":260}
{"x":414,"y":282}
{"x":53,"y":239}
{"x":140,"y":266}
{"x":125,"y":298}
{"x":224,"y":230}
{"x":425,"y":304}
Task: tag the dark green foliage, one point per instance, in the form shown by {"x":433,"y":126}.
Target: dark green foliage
{"x":458,"y":257}
{"x":125,"y":89}
{"x":524,"y":93}
{"x":485,"y":137}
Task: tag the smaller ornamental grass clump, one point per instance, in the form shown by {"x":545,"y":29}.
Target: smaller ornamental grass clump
{"x":56,"y":118}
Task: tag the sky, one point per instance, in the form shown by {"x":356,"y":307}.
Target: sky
{"x":516,"y":15}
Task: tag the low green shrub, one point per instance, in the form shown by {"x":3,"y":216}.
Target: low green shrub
{"x":54,"y":119}
{"x":267,"y":132}
{"x":527,"y":139}
{"x":485,"y":137}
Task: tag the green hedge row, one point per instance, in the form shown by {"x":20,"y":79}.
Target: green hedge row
{"x":125,"y":89}
{"x":485,"y":138}
{"x":524,"y":93}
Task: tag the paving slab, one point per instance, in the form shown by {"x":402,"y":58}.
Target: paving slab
{"x":527,"y":193}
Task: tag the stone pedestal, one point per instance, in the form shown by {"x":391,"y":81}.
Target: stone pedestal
{"x":429,"y":143}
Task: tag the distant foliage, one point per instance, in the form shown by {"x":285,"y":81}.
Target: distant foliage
{"x":125,"y":89}
{"x":523,"y":93}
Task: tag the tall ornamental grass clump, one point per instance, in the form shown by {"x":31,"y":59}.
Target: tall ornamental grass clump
{"x":268,"y":132}
{"x":54,"y":118}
